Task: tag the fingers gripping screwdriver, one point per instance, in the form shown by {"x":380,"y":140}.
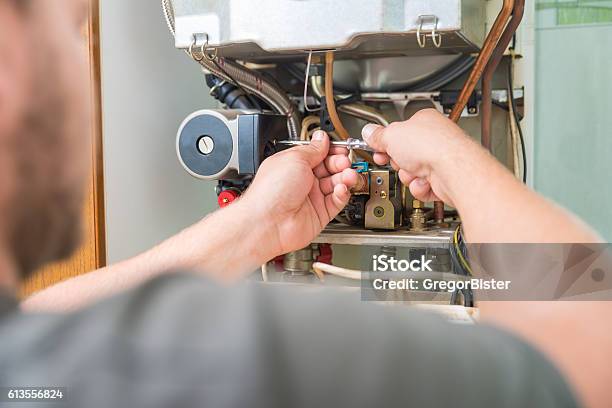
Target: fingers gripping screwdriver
{"x":351,"y":144}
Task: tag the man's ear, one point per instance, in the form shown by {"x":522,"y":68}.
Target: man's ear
{"x":15,"y":74}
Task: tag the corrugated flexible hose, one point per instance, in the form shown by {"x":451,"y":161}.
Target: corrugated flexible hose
{"x":235,"y":73}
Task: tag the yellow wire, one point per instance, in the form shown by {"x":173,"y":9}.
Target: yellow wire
{"x":464,"y":262}
{"x":307,"y":122}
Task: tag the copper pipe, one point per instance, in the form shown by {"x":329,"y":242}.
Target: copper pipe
{"x":438,"y":212}
{"x":357,"y":110}
{"x":329,"y":96}
{"x":483,"y":58}
{"x":487,"y":76}
{"x":364,"y":112}
{"x":330,"y":101}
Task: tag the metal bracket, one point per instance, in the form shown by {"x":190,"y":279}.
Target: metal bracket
{"x":435,"y":36}
{"x":203,"y":48}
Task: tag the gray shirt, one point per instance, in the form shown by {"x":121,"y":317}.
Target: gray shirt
{"x":181,"y":341}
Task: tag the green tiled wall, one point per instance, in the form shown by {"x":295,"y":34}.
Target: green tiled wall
{"x":573,"y":118}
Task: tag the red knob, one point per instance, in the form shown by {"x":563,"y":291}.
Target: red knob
{"x":226,"y":197}
{"x":325,"y":253}
{"x":279,"y":260}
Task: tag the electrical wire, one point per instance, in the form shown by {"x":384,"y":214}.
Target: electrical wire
{"x":504,"y":106}
{"x":512,"y":101}
{"x":514,"y":138}
{"x":310,"y":124}
{"x":432,"y":82}
{"x":459,"y":258}
{"x":459,"y":251}
{"x":306,"y":107}
{"x":321,"y":268}
{"x":264,"y":272}
{"x":445,"y":76}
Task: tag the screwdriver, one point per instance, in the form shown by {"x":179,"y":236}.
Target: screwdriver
{"x":350,"y":144}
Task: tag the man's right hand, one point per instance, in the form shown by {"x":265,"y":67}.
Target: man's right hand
{"x":416,"y":149}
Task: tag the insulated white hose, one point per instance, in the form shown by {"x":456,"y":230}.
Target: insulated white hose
{"x":336,"y":270}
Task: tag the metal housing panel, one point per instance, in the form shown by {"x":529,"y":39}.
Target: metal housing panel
{"x":270,"y":28}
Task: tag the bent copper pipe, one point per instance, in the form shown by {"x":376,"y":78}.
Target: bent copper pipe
{"x":483,"y":58}
{"x":487,"y":76}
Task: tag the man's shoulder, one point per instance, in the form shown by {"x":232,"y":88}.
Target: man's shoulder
{"x":180,"y":332}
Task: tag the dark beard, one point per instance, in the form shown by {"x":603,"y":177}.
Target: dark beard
{"x":45,"y":211}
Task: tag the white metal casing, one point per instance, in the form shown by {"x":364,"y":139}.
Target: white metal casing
{"x":261,"y":29}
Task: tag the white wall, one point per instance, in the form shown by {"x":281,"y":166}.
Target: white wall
{"x":148,"y":88}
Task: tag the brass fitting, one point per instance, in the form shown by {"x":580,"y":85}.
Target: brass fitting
{"x":417,"y":218}
{"x":300,"y":262}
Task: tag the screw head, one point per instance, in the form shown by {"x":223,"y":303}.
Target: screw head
{"x":379,"y":212}
{"x":206,"y":145}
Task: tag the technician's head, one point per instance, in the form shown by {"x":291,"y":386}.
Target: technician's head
{"x":43,"y":129}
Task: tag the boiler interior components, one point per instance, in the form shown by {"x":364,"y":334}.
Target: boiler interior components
{"x":293,"y":67}
{"x":417,"y":218}
{"x":383,"y":209}
{"x":226,"y":197}
{"x":225,"y":144}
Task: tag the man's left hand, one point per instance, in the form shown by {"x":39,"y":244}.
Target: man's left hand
{"x":299,"y":191}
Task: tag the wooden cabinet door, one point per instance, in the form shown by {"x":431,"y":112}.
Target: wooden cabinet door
{"x":92,"y":254}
